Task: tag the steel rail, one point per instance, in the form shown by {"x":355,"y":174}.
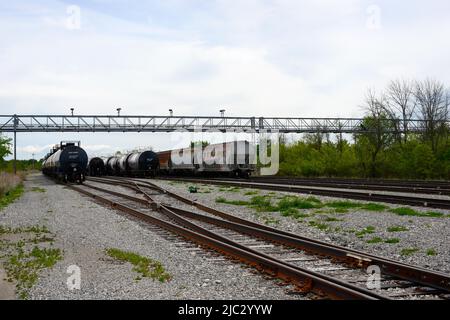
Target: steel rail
{"x":390,"y":267}
{"x":304,"y":279}
{"x":384,"y":182}
{"x":426,"y":185}
{"x":345,"y":185}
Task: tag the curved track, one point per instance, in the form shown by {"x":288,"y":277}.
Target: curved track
{"x":311,"y":265}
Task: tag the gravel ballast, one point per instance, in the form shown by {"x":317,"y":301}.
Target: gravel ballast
{"x":83,"y":231}
{"x":417,"y":240}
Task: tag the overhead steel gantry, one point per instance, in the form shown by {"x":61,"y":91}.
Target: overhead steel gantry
{"x":106,"y":123}
{"x":129,"y":123}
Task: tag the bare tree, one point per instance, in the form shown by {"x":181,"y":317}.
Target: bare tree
{"x":433,"y":104}
{"x":400,"y":105}
{"x":378,"y":132}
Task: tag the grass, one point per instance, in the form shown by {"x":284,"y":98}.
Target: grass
{"x":146,"y":267}
{"x":33,"y":229}
{"x":392,"y":240}
{"x":270,"y":220}
{"x":262,"y":204}
{"x":288,"y":202}
{"x":332,"y":219}
{"x":375,"y":240}
{"x":24,"y":258}
{"x":10,"y":196}
{"x":319,"y":225}
{"x":37,"y":189}
{"x":313,"y":199}
{"x":24,"y":267}
{"x":251,"y":193}
{"x":374,"y":207}
{"x":408,"y":251}
{"x":397,"y":229}
{"x":230,"y":189}
{"x":341,"y":210}
{"x":405,"y":211}
{"x":366,"y":230}
{"x":431,"y":252}
{"x":343,"y":204}
{"x":233,"y":202}
{"x":380,"y":240}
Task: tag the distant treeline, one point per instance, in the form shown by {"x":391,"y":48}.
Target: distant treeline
{"x":21,"y":165}
{"x":379,"y":152}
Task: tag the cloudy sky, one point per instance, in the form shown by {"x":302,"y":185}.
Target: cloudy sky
{"x":295,"y":58}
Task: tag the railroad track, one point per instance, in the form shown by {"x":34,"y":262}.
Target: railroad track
{"x":361,"y":185}
{"x":429,"y":184}
{"x":310,"y":265}
{"x":356,"y":195}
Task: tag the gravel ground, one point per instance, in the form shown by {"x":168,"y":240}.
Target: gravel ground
{"x":84,"y":229}
{"x":427,"y":237}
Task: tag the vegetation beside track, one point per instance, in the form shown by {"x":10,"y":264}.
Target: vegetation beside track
{"x":146,"y":267}
{"x":290,"y":206}
{"x":327,"y":215}
{"x":24,"y":253}
{"x":11,"y":188}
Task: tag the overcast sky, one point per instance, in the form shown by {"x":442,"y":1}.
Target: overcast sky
{"x":252,"y":57}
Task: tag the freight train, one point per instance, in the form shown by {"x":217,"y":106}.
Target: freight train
{"x":66,"y":162}
{"x":232,"y":159}
{"x":133,"y":164}
{"x":96,"y":167}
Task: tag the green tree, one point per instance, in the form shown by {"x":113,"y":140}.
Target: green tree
{"x":5,"y":148}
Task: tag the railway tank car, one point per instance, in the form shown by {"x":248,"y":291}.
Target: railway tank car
{"x":112,"y":166}
{"x":144,"y":163}
{"x":233,"y":159}
{"x":96,"y":167}
{"x":122,"y":165}
{"x":66,"y":162}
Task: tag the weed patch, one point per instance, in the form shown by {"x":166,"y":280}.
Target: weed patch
{"x":405,"y":211}
{"x":366,"y":230}
{"x":23,"y":259}
{"x":319,"y":225}
{"x":397,"y":229}
{"x":10,"y":196}
{"x":146,"y":267}
{"x":392,"y":240}
{"x":375,"y":240}
{"x":408,"y":251}
{"x":374,"y":207}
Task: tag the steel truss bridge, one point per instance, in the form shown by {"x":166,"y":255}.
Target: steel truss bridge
{"x":109,"y":123}
{"x":124,"y":123}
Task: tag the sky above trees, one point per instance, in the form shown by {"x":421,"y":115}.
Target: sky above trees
{"x":262,"y":58}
